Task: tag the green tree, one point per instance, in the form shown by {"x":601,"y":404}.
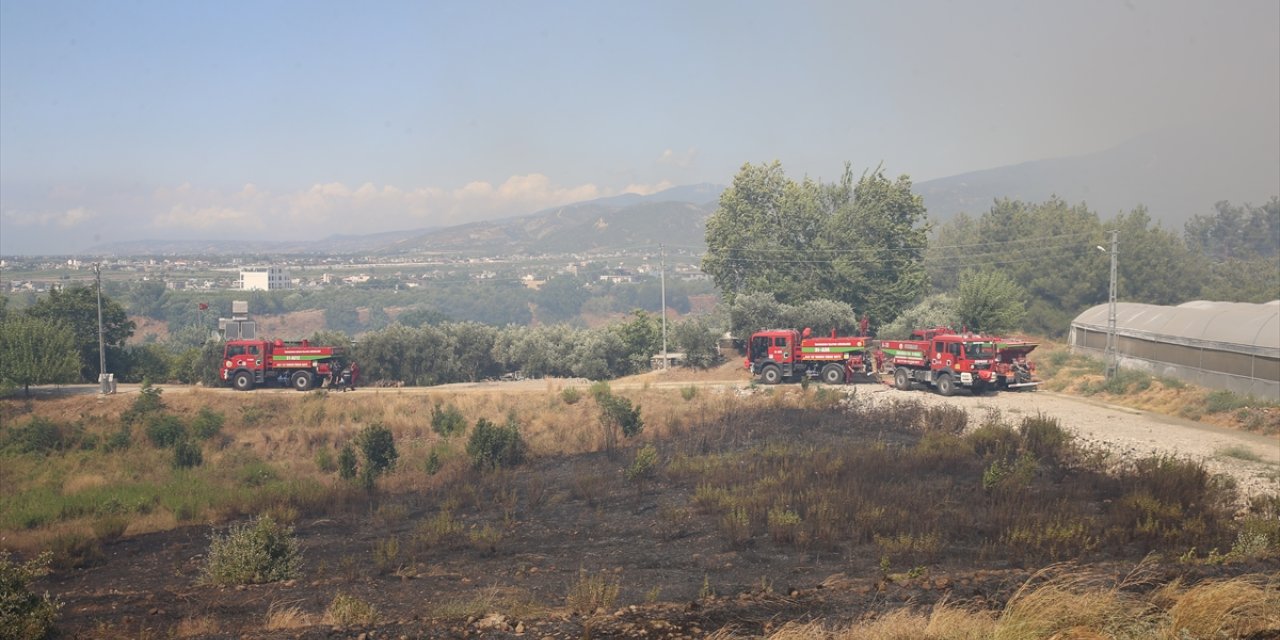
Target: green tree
{"x":937,"y":310}
{"x":560,"y":298}
{"x":1047,"y":249}
{"x":1155,"y":265}
{"x":861,"y":243}
{"x":36,"y":351}
{"x":990,"y":302}
{"x":699,"y":339}
{"x":77,"y":307}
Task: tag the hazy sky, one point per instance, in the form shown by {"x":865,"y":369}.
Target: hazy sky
{"x":123,"y":120}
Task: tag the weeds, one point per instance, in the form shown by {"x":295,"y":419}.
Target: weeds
{"x":346,"y":611}
{"x":1239,"y":452}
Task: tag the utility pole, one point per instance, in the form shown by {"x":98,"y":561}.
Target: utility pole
{"x":1112,"y":358}
{"x":662,"y":250}
{"x":104,"y":386}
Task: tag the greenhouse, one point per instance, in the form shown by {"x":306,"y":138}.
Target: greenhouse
{"x":1220,"y":345}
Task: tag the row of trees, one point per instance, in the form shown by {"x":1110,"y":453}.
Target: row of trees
{"x":56,"y":339}
{"x":1048,"y":260}
{"x":499,"y":302}
{"x":1018,"y":266}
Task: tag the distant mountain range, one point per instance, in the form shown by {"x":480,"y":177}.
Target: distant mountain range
{"x":1176,"y":174}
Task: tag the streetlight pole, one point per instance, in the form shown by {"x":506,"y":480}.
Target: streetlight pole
{"x":1112,"y":359}
{"x":662,"y":250}
{"x":104,"y":386}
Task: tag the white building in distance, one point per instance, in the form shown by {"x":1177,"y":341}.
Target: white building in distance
{"x":264,"y":279}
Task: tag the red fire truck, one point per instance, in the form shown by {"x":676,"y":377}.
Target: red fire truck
{"x":250,"y":363}
{"x":786,"y":355}
{"x":947,"y":360}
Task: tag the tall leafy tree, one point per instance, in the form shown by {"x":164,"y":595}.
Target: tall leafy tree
{"x":1155,"y":265}
{"x":36,"y":351}
{"x":77,"y":308}
{"x":990,"y":302}
{"x":859,"y":242}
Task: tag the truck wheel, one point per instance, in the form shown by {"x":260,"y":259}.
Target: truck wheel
{"x":242,"y":381}
{"x":833,"y":374}
{"x":771,"y":374}
{"x":902,"y":379}
{"x":301,"y":380}
{"x":946,"y":386}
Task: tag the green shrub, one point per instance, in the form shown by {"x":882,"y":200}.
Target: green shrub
{"x":1045,"y":438}
{"x":447,"y":420}
{"x":253,"y":552}
{"x":165,"y":430}
{"x":994,"y":441}
{"x":147,"y":404}
{"x":76,"y":551}
{"x":187,"y":454}
{"x":119,"y":439}
{"x":570,"y":395}
{"x":688,"y":392}
{"x":599,"y":390}
{"x":617,"y":414}
{"x":41,"y":435}
{"x":492,"y":446}
{"x":325,"y":462}
{"x":378,"y":447}
{"x":1221,"y":401}
{"x":347,"y":462}
{"x":644,"y":465}
{"x":945,"y":418}
{"x":432,"y":465}
{"x":24,"y":614}
{"x":347,"y":610}
{"x":207,"y":423}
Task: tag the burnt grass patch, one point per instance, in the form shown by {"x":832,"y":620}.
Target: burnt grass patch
{"x":821,"y":508}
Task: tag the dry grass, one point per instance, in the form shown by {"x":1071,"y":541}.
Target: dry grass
{"x":287,"y":615}
{"x":1061,"y":603}
{"x":195,"y":627}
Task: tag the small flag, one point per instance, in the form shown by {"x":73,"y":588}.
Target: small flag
{"x":204,"y":306}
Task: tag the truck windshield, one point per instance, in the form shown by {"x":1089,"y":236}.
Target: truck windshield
{"x":979,"y":350}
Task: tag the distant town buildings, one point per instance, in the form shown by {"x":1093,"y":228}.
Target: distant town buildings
{"x":264,"y":279}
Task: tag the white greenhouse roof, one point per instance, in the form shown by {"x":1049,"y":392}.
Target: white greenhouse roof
{"x":1241,"y":326}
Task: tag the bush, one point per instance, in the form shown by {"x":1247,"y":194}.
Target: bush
{"x":40,"y":435}
{"x":187,"y":454}
{"x":119,"y":439}
{"x":1220,"y":401}
{"x":24,"y":614}
{"x":492,"y":446}
{"x":617,"y":414}
{"x":207,"y":423}
{"x":447,"y":421}
{"x":645,"y":464}
{"x":347,"y":462}
{"x":379,"y":449}
{"x":147,"y":404}
{"x":165,"y":430}
{"x":347,"y":610}
{"x":1045,"y":438}
{"x":253,"y":552}
{"x":570,"y":395}
{"x":325,"y":462}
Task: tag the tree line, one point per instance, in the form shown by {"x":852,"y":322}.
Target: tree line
{"x":1018,"y":266}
